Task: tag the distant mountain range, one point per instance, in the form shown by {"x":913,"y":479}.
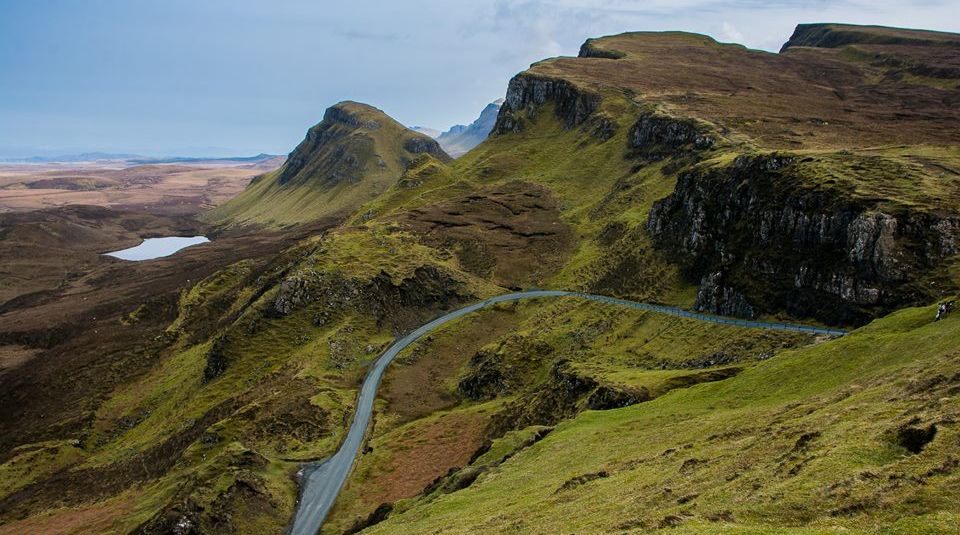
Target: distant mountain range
{"x":460,"y":138}
{"x":82,"y":157}
{"x":427,"y":131}
{"x":135,"y":159}
{"x":262,"y":157}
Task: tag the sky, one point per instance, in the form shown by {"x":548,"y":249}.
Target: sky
{"x":237,"y":77}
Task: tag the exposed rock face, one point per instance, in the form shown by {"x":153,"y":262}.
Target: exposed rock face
{"x":714,"y":296}
{"x":527,"y":92}
{"x":589,"y":49}
{"x":759,"y":242}
{"x":400,"y":304}
{"x":485,"y":379}
{"x":653,"y":130}
{"x":423,"y":145}
{"x":342,"y":148}
{"x":427,"y":287}
{"x":343,"y":155}
{"x":563,"y":395}
{"x":217,"y":360}
{"x":339,"y":114}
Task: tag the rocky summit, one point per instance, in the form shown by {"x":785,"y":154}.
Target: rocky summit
{"x":348,"y":158}
{"x":770,"y":246}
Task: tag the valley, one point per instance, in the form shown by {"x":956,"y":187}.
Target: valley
{"x":569,"y":311}
{"x":169,"y":189}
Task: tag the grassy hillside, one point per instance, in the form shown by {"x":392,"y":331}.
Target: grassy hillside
{"x":610,"y":141}
{"x":517,"y":370}
{"x":349,"y":158}
{"x":861,"y":92}
{"x":855,"y":434}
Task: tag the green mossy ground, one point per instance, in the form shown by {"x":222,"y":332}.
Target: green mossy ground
{"x":803,"y":442}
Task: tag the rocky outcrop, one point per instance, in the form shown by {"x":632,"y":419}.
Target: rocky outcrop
{"x":669,"y":134}
{"x":340,"y":114}
{"x":192,"y":511}
{"x":590,"y":49}
{"x":400,"y":304}
{"x":424,"y":145}
{"x":343,"y":159}
{"x":381,"y":513}
{"x":526,"y":92}
{"x":427,"y":287}
{"x":836,"y":35}
{"x":757,"y":240}
{"x":337,"y":121}
{"x":715,"y":296}
{"x":345,"y":146}
{"x":484,"y":379}
{"x":563,"y":395}
{"x":217,"y":360}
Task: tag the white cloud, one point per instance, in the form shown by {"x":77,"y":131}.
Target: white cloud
{"x":730,"y":33}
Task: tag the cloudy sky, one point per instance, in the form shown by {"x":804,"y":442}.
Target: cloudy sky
{"x":219,"y":77}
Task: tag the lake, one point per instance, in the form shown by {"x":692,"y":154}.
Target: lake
{"x":157,"y":247}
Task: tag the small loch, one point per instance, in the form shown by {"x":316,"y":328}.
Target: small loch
{"x":152,"y":248}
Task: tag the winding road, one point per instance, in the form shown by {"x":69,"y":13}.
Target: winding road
{"x":322,"y":482}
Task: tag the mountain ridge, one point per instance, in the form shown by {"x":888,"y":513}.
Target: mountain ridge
{"x":356,"y":152}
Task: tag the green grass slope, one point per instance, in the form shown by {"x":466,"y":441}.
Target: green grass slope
{"x":349,"y":158}
{"x":854,"y":435}
{"x":499,"y":377}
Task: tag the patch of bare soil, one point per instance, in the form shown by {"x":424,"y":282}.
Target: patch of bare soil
{"x":12,"y":356}
{"x":418,"y":456}
{"x":91,"y":520}
{"x":446,"y":443}
{"x":418,"y":385}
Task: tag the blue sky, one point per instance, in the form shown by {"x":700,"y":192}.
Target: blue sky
{"x":218,"y":77}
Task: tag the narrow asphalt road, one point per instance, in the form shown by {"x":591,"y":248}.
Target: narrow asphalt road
{"x":322,"y":482}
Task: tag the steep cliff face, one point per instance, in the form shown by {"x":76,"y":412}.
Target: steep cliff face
{"x":526,"y":92}
{"x":656,"y":136}
{"x":759,"y":238}
{"x":591,"y":48}
{"x":347,"y":154}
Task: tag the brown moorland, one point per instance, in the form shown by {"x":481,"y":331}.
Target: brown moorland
{"x":167,"y":189}
{"x":861,"y":92}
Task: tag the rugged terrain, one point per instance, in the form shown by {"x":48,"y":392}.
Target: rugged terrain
{"x":346,"y":160}
{"x":818,"y":184}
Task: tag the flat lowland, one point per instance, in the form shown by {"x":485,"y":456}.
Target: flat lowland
{"x":169,"y":189}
